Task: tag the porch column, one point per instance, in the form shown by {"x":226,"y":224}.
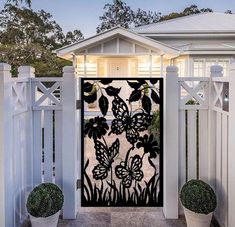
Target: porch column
{"x":170,"y":145}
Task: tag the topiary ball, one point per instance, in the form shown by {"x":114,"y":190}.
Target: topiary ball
{"x":45,"y":200}
{"x":198,"y":197}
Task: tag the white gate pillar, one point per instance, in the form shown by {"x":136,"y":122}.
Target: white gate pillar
{"x":6,"y":159}
{"x":69,"y":143}
{"x":231,"y":148}
{"x":170,"y":145}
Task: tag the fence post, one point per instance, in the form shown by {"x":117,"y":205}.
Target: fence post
{"x":171,"y":145}
{"x":6,"y":159}
{"x":69,"y":143}
{"x":215,"y":71}
{"x":231,"y":148}
{"x":28,"y":73}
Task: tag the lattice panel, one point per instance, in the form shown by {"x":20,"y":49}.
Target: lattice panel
{"x":218,"y":95}
{"x":194,"y":94}
{"x":47,"y":94}
{"x":19,"y":94}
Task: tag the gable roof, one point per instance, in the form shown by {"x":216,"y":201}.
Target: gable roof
{"x":197,"y":23}
{"x":110,"y":34}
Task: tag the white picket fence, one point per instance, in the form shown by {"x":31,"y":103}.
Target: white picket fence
{"x":40,"y":139}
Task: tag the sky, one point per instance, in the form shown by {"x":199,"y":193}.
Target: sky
{"x":84,"y":14}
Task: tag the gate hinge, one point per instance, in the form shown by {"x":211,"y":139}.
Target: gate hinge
{"x":79,"y":183}
{"x":78,"y":104}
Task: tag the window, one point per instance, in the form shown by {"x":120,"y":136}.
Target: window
{"x":201,"y":67}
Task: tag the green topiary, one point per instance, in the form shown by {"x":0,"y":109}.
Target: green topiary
{"x":45,"y":200}
{"x":198,"y":197}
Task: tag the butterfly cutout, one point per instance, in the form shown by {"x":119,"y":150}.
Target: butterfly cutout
{"x":105,"y":156}
{"x":130,"y":172}
{"x":125,"y":121}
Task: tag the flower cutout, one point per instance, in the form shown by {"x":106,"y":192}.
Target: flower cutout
{"x":149,"y":144}
{"x":96,"y":127}
{"x":130,"y":172}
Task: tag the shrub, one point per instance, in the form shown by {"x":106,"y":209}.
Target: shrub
{"x":154,"y":128}
{"x":198,"y":197}
{"x":45,"y":200}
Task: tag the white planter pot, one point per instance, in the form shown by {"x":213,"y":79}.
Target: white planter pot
{"x":51,"y":221}
{"x":197,"y":220}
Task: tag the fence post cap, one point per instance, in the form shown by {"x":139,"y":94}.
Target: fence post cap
{"x":26,"y":71}
{"x":172,"y":68}
{"x":68,"y":69}
{"x":5,"y":67}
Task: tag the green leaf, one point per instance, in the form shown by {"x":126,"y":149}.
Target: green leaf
{"x":90,"y":98}
{"x":135,"y":96}
{"x":87,"y":87}
{"x":135,"y":85}
{"x":155,"y":97}
{"x":153,"y":81}
{"x":112,"y":91}
{"x":103,"y":104}
{"x":146,"y":104}
{"x":106,"y":81}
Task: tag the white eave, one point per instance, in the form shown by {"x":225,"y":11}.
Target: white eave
{"x":67,"y":51}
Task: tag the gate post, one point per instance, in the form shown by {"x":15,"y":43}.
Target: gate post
{"x":69,"y":143}
{"x":171,"y":145}
{"x":231,"y":148}
{"x":6,"y":158}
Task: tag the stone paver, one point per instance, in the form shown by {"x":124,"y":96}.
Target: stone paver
{"x":121,"y":217}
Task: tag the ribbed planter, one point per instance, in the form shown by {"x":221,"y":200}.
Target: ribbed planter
{"x":50,"y":221}
{"x":197,"y":220}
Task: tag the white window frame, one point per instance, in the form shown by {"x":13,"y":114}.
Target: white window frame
{"x":207,"y":60}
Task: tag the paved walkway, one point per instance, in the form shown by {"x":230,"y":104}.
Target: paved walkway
{"x":121,"y":217}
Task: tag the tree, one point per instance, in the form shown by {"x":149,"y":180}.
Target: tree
{"x":193,"y":9}
{"x":28,"y":38}
{"x":142,"y":17}
{"x":116,"y":14}
{"x":28,"y":2}
{"x":119,"y":14}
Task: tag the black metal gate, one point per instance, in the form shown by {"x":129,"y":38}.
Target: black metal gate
{"x":122,"y":141}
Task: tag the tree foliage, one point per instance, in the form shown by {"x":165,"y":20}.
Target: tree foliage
{"x":27,"y":2}
{"x":120,"y":14}
{"x":28,"y":38}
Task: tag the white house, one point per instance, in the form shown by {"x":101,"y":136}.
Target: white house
{"x":193,"y":43}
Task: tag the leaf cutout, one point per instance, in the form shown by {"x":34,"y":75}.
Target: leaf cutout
{"x":106,"y":81}
{"x":90,"y":98}
{"x":103,"y":104}
{"x":87,"y":87}
{"x":146,"y":104}
{"x":135,"y":85}
{"x":153,"y":81}
{"x":155,"y":97}
{"x":112,"y":91}
{"x":135,"y":96}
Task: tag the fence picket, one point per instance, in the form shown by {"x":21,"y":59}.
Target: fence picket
{"x":203,"y":139}
{"x":192,"y":152}
{"x":224,"y":170}
{"x":58,"y":148}
{"x":218,"y":161}
{"x":37,"y":147}
{"x":48,"y":146}
{"x":182,"y":150}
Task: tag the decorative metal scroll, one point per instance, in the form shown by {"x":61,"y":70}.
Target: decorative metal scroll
{"x":122,"y":142}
